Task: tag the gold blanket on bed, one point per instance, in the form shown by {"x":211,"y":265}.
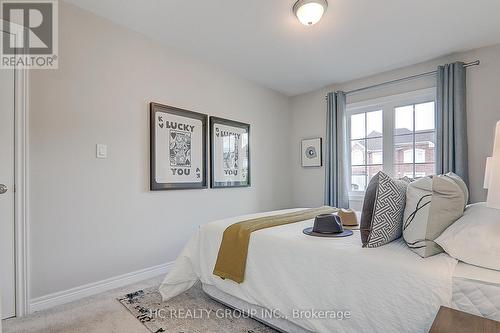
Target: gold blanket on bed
{"x":233,"y":250}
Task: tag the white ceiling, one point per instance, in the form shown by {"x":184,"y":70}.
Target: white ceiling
{"x":262,"y":41}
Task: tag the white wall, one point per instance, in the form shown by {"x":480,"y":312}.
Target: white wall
{"x":93,"y":219}
{"x":483,"y":107}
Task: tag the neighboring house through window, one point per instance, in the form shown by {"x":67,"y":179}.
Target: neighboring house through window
{"x":420,"y":155}
{"x":408,"y":156}
{"x":377,"y":157}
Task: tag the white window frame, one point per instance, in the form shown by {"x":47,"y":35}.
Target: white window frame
{"x":387,"y":104}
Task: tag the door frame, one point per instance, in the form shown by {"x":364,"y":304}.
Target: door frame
{"x":21,"y":181}
{"x":21,"y":190}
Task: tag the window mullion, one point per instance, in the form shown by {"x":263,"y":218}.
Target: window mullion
{"x":388,"y":139}
{"x":366,"y":150}
{"x":414,"y":145}
{"x":349,"y":148}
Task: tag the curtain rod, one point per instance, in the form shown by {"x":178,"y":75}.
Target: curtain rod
{"x":408,"y":78}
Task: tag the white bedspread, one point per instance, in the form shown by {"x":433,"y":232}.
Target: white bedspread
{"x":476,"y":290}
{"x":386,"y":289}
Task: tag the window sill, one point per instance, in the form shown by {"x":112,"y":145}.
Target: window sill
{"x":357,"y":196}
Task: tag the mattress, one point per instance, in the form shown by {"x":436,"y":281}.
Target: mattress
{"x":385,"y":289}
{"x":476,"y":290}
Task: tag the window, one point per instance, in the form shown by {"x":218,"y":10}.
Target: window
{"x":414,"y":140}
{"x":395,"y":134}
{"x":366,"y":133}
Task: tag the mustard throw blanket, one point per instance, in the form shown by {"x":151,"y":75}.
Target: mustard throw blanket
{"x":232,"y":257}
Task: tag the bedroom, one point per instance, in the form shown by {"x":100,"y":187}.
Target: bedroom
{"x":85,"y":225}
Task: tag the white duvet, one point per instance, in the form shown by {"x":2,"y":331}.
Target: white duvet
{"x":385,"y":289}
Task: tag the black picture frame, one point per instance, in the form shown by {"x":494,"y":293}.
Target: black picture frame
{"x":236,"y":124}
{"x":166,"y":109}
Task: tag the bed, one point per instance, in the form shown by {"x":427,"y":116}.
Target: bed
{"x":476,"y":290}
{"x":298,"y":278}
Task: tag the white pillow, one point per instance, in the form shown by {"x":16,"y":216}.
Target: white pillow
{"x":475,"y":237}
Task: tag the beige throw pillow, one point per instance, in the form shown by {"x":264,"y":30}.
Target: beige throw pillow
{"x":432,"y":205}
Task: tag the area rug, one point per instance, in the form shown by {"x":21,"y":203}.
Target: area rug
{"x":191,"y":312}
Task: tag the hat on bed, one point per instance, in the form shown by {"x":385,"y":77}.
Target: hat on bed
{"x":348,"y":218}
{"x":327,"y":225}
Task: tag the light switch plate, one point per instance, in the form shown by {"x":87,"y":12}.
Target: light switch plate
{"x":101,"y":151}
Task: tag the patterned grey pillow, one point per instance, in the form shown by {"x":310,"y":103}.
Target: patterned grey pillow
{"x":383,"y":209}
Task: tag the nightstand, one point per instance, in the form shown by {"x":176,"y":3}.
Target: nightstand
{"x":454,"y":321}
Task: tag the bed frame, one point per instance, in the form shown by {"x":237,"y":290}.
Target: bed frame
{"x":279,"y":324}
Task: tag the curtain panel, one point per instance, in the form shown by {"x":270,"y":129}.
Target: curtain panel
{"x":336,"y":166}
{"x":451,"y":121}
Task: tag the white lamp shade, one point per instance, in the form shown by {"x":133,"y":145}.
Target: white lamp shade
{"x":494,"y":181}
{"x":309,"y":12}
{"x":487,"y":174}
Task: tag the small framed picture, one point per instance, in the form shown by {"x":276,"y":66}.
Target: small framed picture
{"x":312,"y":152}
{"x":230,"y":153}
{"x":178,"y":158}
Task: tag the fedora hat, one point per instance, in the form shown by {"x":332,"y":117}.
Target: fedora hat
{"x":327,"y":225}
{"x":349,"y":218}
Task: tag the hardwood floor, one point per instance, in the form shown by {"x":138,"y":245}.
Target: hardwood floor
{"x":453,"y":321}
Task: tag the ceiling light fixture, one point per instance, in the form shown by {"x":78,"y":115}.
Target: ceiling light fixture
{"x":309,"y":12}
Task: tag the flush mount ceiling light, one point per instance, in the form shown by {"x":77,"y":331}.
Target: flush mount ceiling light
{"x":309,"y":12}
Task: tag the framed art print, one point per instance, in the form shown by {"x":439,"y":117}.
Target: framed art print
{"x":312,"y":152}
{"x":178,"y":148}
{"x":230,"y":153}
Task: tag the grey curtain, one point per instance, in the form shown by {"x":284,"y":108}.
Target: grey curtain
{"x":336,"y":178}
{"x":451,"y":121}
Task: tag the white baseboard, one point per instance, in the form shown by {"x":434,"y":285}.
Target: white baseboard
{"x":73,"y":294}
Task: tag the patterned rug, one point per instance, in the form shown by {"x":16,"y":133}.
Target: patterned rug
{"x":191,"y":312}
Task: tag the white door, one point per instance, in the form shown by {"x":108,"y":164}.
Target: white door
{"x":7,"y":268}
